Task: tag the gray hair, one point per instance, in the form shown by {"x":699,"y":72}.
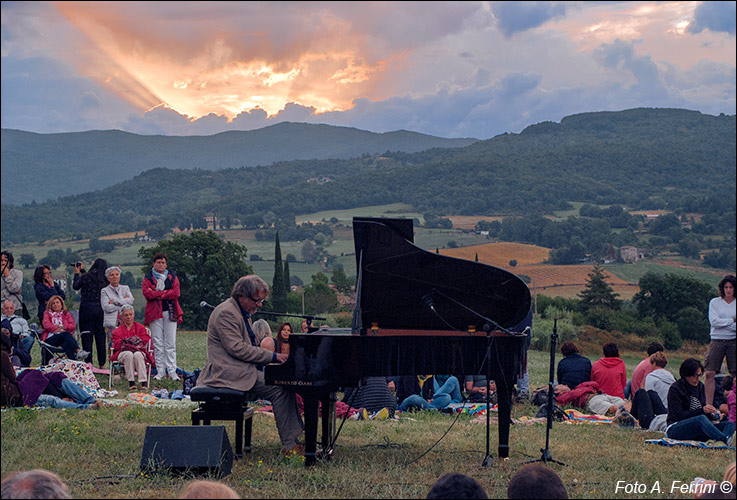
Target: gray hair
{"x":36,"y":483}
{"x":110,"y":269}
{"x":261,"y":327}
{"x":248,"y":286}
{"x":127,"y":307}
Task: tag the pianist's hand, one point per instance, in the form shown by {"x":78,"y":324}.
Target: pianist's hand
{"x":281,"y":357}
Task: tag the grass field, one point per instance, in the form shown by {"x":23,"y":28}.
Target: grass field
{"x":98,"y":452}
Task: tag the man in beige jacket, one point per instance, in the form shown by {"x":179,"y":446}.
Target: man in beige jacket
{"x":235,"y":360}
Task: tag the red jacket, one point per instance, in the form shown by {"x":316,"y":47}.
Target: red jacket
{"x":122,"y":332}
{"x":578,"y":396}
{"x":154,"y":297}
{"x":611,"y":375}
{"x":49,"y":327}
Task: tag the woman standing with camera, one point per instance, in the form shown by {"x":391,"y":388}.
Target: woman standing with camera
{"x":161,"y":291}
{"x":90,"y":285}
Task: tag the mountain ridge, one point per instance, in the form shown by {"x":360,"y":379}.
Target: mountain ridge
{"x":78,"y":162}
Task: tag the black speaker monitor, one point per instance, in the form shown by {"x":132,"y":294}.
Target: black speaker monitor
{"x":187,"y":450}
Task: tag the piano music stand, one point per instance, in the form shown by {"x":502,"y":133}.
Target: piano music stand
{"x":546,"y":456}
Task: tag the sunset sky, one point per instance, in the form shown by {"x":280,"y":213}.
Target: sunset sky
{"x":451,"y":69}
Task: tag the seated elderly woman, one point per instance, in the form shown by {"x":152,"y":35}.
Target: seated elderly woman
{"x":129,"y":346}
{"x":57,"y":324}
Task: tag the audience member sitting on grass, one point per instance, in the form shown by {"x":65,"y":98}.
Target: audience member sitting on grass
{"x":610,"y":372}
{"x":208,"y":489}
{"x":36,"y":483}
{"x":457,"y":485}
{"x":445,"y":390}
{"x":573,"y":368}
{"x":536,"y":481}
{"x":689,"y":417}
{"x":644,"y":367}
{"x":588,"y":397}
{"x":57,"y":324}
{"x":36,"y":388}
{"x":374,"y":398}
{"x":659,"y":379}
{"x":649,"y":402}
{"x":129,"y":346}
{"x":476,"y":388}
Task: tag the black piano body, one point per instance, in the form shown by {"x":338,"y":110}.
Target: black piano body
{"x":417,"y":312}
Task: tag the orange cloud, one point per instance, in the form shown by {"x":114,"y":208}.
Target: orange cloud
{"x":226,"y":72}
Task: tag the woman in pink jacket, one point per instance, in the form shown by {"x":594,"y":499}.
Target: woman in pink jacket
{"x":57,"y":323}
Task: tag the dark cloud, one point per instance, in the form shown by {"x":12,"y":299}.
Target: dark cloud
{"x":714,"y":16}
{"x":513,"y":17}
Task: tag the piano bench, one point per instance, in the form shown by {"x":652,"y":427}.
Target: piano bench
{"x":225,"y":404}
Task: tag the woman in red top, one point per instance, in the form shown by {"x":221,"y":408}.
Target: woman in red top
{"x":163,"y":314}
{"x":57,"y":323}
{"x":129,"y":346}
{"x":610,"y":372}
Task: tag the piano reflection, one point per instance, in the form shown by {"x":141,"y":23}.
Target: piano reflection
{"x":417,"y":312}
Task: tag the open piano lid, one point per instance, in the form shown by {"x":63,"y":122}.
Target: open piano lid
{"x":401,"y":286}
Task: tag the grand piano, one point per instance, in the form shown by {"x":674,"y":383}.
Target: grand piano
{"x":417,"y":312}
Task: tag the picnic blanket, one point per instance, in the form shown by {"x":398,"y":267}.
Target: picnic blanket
{"x":697,"y":444}
{"x":81,"y":374}
{"x":575,"y":416}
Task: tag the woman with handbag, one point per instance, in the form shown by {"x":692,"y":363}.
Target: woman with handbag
{"x":161,"y":291}
{"x":129,"y":346}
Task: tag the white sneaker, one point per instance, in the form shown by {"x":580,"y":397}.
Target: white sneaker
{"x":81,"y":355}
{"x":173,"y":375}
{"x":158,"y":376}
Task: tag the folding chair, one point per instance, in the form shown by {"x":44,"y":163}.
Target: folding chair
{"x":117,"y":367}
{"x":48,"y":351}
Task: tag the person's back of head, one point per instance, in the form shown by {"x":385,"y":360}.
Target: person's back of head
{"x":456,"y":485}
{"x":658,"y":359}
{"x":611,"y":350}
{"x":655,"y":347}
{"x":536,"y":481}
{"x":568,"y":348}
{"x":730,"y":473}
{"x":208,"y":489}
{"x":36,"y":483}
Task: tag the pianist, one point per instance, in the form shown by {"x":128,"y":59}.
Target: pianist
{"x":234,"y":358}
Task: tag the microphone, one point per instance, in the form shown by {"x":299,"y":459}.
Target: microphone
{"x":428,"y":302}
{"x":207,"y":306}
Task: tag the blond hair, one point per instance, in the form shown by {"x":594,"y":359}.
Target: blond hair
{"x":208,"y":489}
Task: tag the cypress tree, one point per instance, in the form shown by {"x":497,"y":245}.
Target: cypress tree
{"x":279,"y":288}
{"x":287,"y":277}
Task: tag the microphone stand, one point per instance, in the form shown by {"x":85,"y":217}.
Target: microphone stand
{"x":546,"y":456}
{"x":303,"y":316}
{"x":488,"y":461}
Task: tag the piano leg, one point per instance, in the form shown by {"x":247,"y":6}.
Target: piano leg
{"x":328,"y":424}
{"x":311,"y":405}
{"x":505,"y":413}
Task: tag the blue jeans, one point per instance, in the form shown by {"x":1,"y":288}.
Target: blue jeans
{"x":27,"y":342}
{"x":55,"y":402}
{"x":449,"y":392}
{"x":76,"y":392}
{"x":700,"y":429}
{"x":523,"y":384}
